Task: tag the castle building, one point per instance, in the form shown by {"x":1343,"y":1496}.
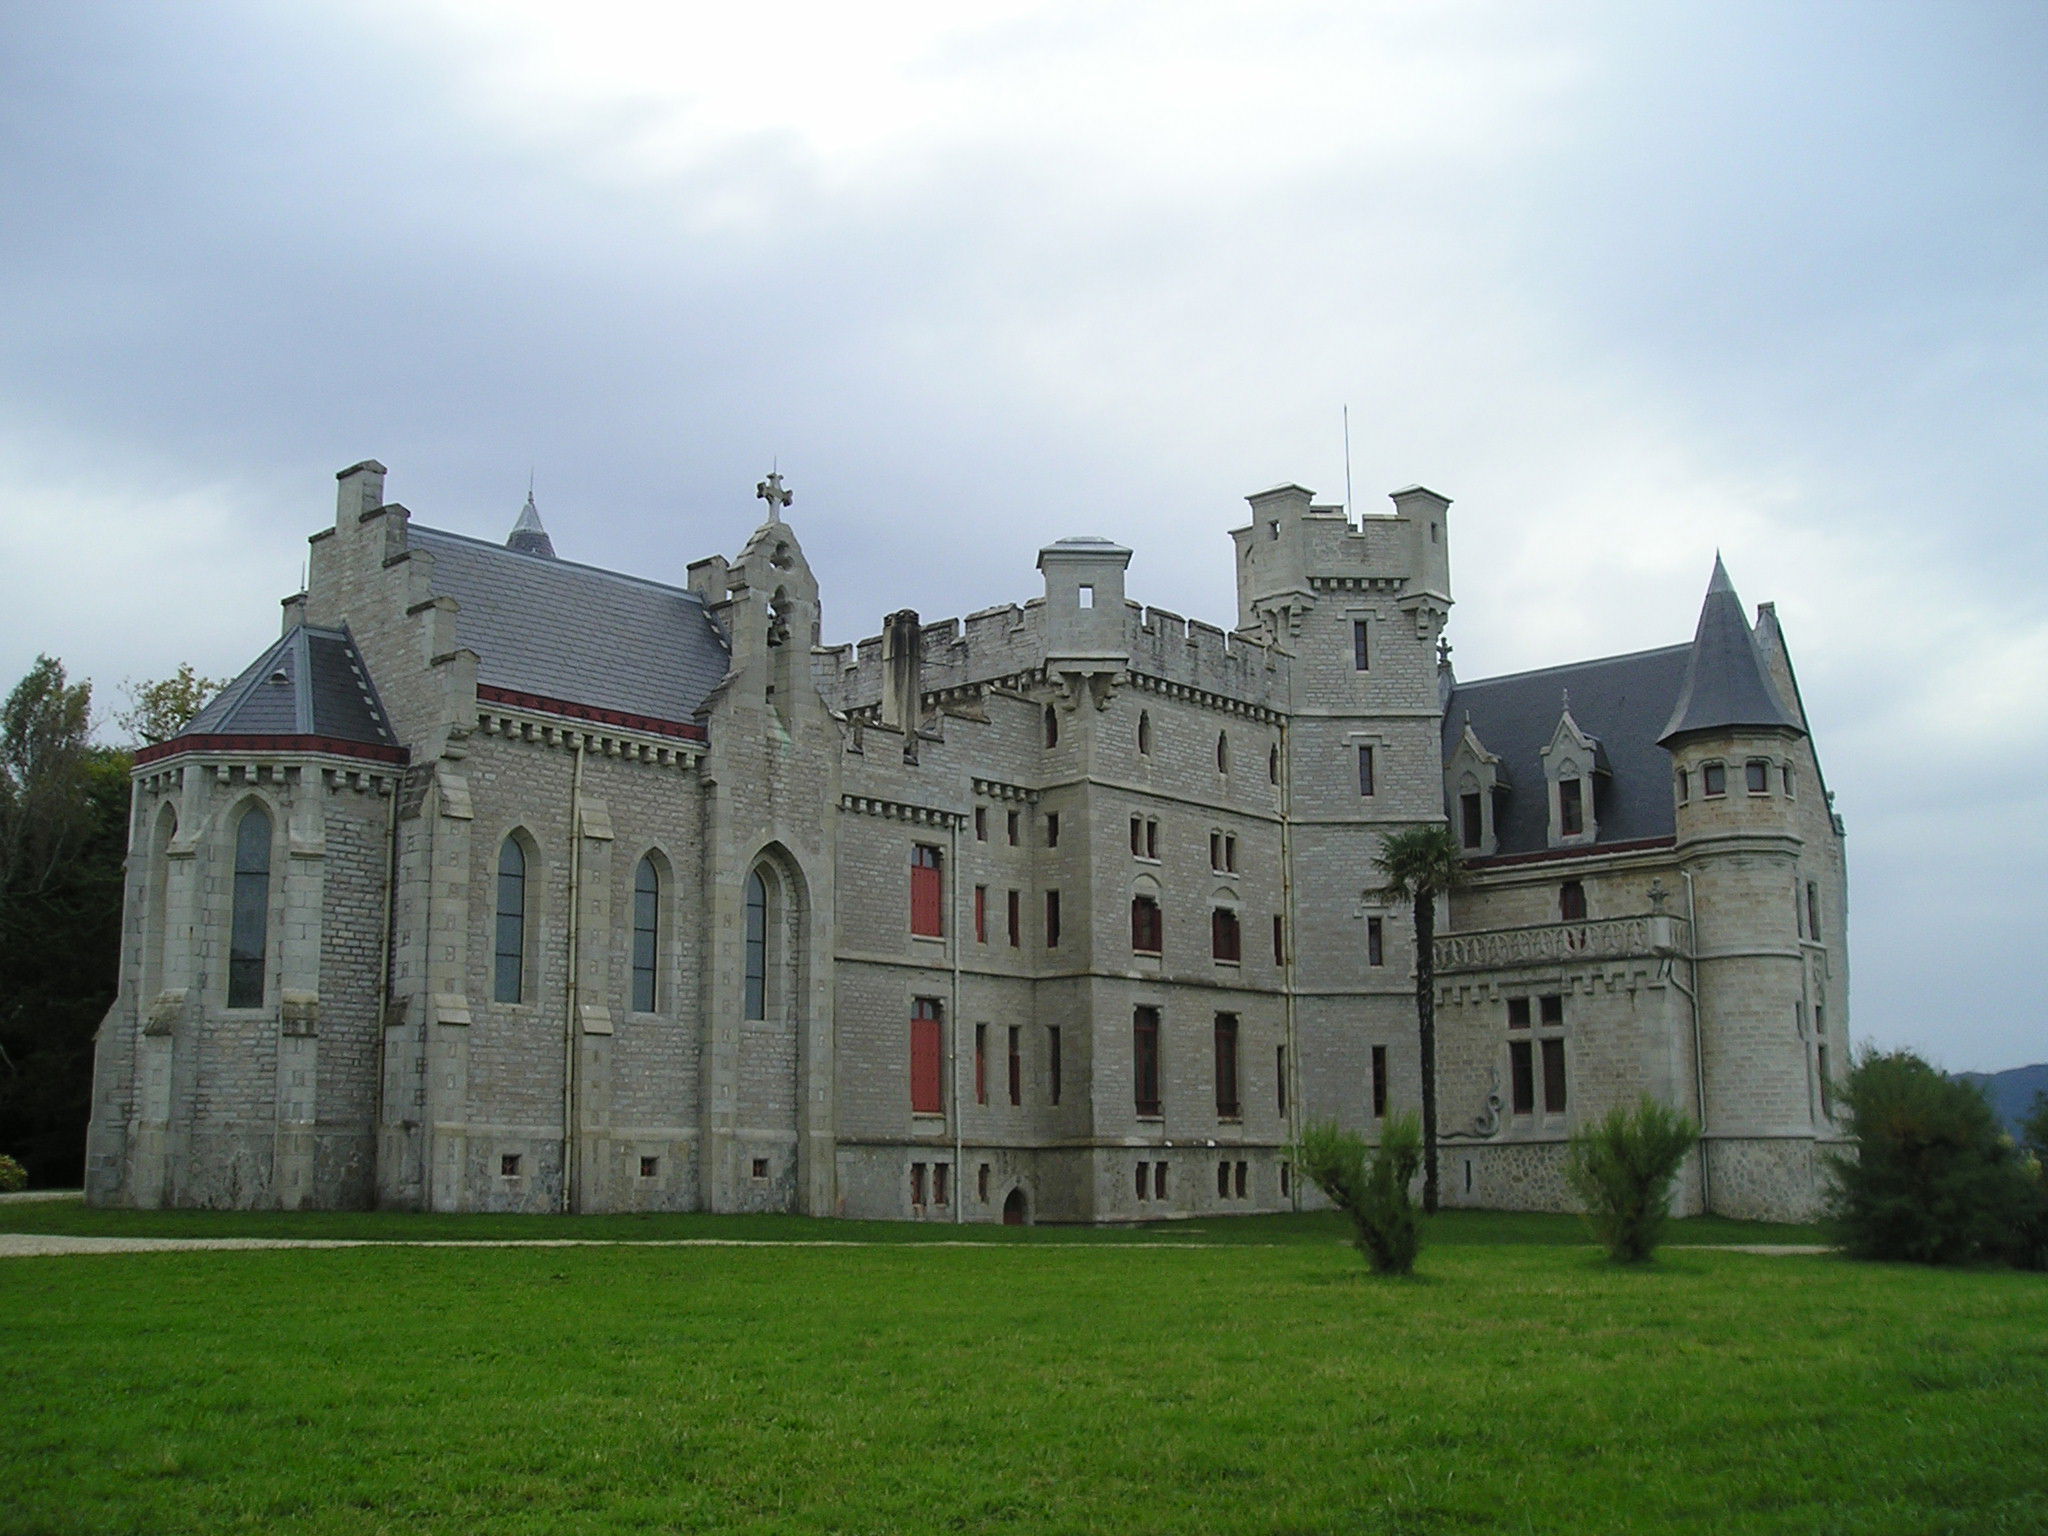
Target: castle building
{"x":501,"y":882}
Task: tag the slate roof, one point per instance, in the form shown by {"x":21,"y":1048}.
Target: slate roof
{"x":1727,"y":682}
{"x":312,"y":682}
{"x":1621,"y":701}
{"x":576,"y":633}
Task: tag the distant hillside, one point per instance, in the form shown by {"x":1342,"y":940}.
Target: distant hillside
{"x":2012,"y":1091}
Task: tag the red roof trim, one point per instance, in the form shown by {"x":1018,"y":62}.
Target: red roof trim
{"x":618,"y":717}
{"x":332,"y":746}
{"x":1583,"y":851}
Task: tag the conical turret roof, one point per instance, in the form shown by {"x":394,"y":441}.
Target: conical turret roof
{"x":528,"y":536}
{"x":1726,"y":681}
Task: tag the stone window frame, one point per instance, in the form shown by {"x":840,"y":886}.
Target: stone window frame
{"x":1756,"y":777}
{"x":656,"y":858}
{"x":1710,"y":770}
{"x":1538,"y":1038}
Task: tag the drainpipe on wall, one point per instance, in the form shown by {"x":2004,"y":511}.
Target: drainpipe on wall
{"x":569,"y":1020}
{"x":1699,"y":1053}
{"x":1287,"y":946}
{"x":953,"y":1017}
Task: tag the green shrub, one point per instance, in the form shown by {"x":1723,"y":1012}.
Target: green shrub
{"x":1622,"y":1166}
{"x":12,"y":1175}
{"x":2027,"y":1245}
{"x":1369,"y":1184}
{"x":1932,"y":1180}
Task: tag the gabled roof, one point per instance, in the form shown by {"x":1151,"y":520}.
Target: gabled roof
{"x":573,"y":632}
{"x":1621,"y":701}
{"x":1726,"y":681}
{"x":311,"y":683}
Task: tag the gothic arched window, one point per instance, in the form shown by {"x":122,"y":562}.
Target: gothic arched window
{"x":510,"y":943}
{"x":646,"y":936}
{"x":248,"y":939}
{"x":1144,"y":733}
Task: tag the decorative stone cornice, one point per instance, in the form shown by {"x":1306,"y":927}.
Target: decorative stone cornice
{"x":898,"y":810}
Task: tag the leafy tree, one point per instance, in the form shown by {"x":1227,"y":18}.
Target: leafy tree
{"x":63,"y":836}
{"x":1417,"y":866}
{"x":1932,"y":1179}
{"x":1370,"y":1185}
{"x":1622,"y":1166}
{"x":158,"y":711}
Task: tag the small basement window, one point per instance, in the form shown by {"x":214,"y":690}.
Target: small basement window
{"x":649,"y":1167}
{"x":508,"y":1165}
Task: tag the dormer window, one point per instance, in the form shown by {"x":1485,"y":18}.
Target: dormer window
{"x":1756,"y":776}
{"x":1472,"y":820}
{"x":1571,"y":807}
{"x":1713,"y":779}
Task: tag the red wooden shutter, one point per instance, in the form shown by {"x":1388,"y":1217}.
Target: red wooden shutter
{"x":926,"y":1077}
{"x":927,"y":905}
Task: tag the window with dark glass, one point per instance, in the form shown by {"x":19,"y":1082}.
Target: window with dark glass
{"x":1280,"y":1080}
{"x":1713,"y":779}
{"x":927,"y":893}
{"x":1756,"y":776}
{"x":1684,"y":786}
{"x":1813,"y":909}
{"x":1145,"y":1060}
{"x":1138,"y":836}
{"x":1144,"y":1181}
{"x":1222,"y":752}
{"x":1144,"y":732}
{"x":1379,"y":1082}
{"x":1146,"y":925}
{"x":1159,"y":1181}
{"x":646,"y":936}
{"x":1052,"y":726}
{"x":1151,"y":839}
{"x":1375,"y":941}
{"x":1223,"y":1179}
{"x":981,"y":914}
{"x":981,"y":823}
{"x":1827,"y":1106}
{"x":1011,"y":827}
{"x":1226,"y":1066}
{"x":1279,"y":940}
{"x":1361,"y":647}
{"x":1226,"y":939}
{"x":1522,"y":1077}
{"x":757,"y":947}
{"x":1273,"y":765}
{"x":1571,"y":807}
{"x":927,"y":1079}
{"x":939,"y":1182}
{"x":1052,"y":919}
{"x":509,"y":981}
{"x":1553,"y":1075}
{"x":1052,"y":1064}
{"x":1550,"y":1011}
{"x":249,"y":927}
{"x":917,"y":1183}
{"x":981,"y":1063}
{"x":1571,"y":901}
{"x":1518,"y":1013}
{"x":1016,"y":1064}
{"x":1785,"y":774}
{"x":1471,"y":819}
{"x":1052,"y":829}
{"x":1365,"y":777}
{"x":1016,"y":919}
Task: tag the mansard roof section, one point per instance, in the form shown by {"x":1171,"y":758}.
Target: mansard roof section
{"x":1620,"y":701}
{"x":561,"y":630}
{"x":1727,"y":681}
{"x":309,"y":691}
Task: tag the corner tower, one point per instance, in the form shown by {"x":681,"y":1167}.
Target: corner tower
{"x":1737,"y":752}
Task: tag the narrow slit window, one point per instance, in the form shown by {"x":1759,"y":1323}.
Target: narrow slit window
{"x":757,"y":947}
{"x":981,"y":1063}
{"x":1375,"y":941}
{"x":1553,"y":1076}
{"x":1052,"y":919}
{"x":1016,"y":920}
{"x":249,"y":930}
{"x":1052,"y":726}
{"x":646,"y":936}
{"x":1361,"y":646}
{"x":1472,"y":819}
{"x":1379,"y":1082}
{"x":1226,"y":1066}
{"x":1365,"y":771}
{"x":1571,"y":807}
{"x":1016,"y":1064}
{"x":1145,"y":1060}
{"x":1053,"y":1064}
{"x":510,"y":958}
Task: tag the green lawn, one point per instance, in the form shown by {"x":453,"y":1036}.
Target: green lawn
{"x":1062,"y":1385}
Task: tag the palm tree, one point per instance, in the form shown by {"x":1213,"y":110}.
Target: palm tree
{"x":1417,"y":866}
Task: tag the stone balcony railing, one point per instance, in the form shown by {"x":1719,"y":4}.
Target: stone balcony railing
{"x":1651,"y":935}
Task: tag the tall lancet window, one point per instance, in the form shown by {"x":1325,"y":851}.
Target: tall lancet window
{"x":646,"y":936}
{"x":249,"y":938}
{"x":757,"y":946}
{"x":511,"y":937}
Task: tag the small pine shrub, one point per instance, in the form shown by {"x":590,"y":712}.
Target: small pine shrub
{"x":1622,"y":1166}
{"x":1932,"y":1180}
{"x":12,"y":1175}
{"x":1369,"y":1184}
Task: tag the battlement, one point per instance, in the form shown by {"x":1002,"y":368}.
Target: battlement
{"x":1001,"y":642}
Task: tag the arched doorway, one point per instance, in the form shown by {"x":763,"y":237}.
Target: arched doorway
{"x":1013,"y":1209}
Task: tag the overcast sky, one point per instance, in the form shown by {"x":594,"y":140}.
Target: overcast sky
{"x":1629,"y":282}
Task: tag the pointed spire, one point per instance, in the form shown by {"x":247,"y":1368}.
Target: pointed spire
{"x":1726,"y":681}
{"x":528,"y":536}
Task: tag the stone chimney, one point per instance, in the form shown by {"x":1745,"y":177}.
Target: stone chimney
{"x":903,"y":675}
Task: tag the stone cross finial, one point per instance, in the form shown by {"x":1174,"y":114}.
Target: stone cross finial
{"x":1658,"y":895}
{"x":771,"y":491}
{"x":1443,"y":652}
